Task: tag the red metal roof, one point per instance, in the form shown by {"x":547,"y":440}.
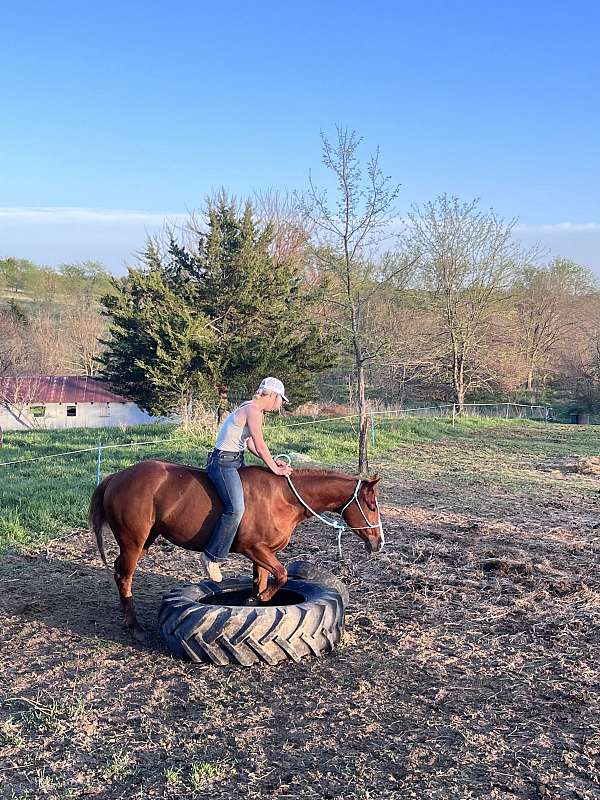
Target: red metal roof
{"x":57,"y":389}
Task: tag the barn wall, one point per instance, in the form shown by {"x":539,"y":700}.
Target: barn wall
{"x":88,"y":415}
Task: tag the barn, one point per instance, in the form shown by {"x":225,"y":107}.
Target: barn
{"x":28,"y":403}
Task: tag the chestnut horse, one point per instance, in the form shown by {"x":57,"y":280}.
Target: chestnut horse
{"x":155,"y":498}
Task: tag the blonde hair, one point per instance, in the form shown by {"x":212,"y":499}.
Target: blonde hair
{"x":265,"y":393}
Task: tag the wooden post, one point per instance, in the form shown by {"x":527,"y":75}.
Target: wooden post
{"x":453,"y":414}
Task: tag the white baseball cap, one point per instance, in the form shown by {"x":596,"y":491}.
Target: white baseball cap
{"x":273,"y":385}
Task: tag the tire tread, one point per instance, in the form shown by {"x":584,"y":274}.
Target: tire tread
{"x":254,"y":634}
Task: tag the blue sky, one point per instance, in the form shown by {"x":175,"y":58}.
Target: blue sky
{"x":117,"y":115}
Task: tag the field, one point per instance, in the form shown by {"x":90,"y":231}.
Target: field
{"x":469,"y":666}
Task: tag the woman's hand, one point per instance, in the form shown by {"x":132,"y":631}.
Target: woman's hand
{"x":281,"y":468}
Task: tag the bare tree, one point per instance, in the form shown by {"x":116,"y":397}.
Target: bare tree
{"x":547,"y":300}
{"x":468,"y":261}
{"x":85,"y":332}
{"x":17,"y":395}
{"x":48,"y":341}
{"x":13,"y":350}
{"x":408,"y":366}
{"x":349,"y":235}
{"x":291,"y":234}
{"x":53,"y":340}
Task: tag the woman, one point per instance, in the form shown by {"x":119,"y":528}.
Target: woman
{"x":241,"y":429}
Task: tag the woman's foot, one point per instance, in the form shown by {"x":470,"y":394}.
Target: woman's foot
{"x":212,"y":569}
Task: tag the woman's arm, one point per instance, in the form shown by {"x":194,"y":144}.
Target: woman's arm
{"x":259,"y":448}
{"x":252,"y":447}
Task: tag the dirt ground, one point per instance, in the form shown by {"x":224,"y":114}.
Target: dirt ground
{"x":469,"y":666}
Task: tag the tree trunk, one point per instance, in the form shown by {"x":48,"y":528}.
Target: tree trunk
{"x":529,"y":386}
{"x":459,"y":382}
{"x":363,"y":435}
{"x":223,"y":406}
{"x":459,"y":395}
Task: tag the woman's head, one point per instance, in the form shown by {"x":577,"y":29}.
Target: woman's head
{"x":271,"y":393}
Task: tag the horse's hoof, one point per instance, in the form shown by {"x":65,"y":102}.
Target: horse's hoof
{"x":138,"y":634}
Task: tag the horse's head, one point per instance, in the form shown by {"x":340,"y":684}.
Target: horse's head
{"x":361,"y":513}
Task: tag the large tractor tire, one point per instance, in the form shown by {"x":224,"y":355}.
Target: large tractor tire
{"x":309,"y":572}
{"x":213,"y":622}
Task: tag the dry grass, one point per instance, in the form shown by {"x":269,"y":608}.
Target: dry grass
{"x":469,"y":668}
{"x":324,"y":410}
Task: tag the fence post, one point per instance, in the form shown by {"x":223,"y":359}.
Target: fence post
{"x":99,"y":464}
{"x":453,"y":414}
{"x":373,"y":429}
{"x":507,"y":406}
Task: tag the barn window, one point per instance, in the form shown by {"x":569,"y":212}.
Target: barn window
{"x":38,"y":411}
{"x":71,"y":411}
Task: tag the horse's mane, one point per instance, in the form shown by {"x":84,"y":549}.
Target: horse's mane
{"x":302,"y":472}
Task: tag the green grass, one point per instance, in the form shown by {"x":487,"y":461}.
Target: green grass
{"x":46,"y":499}
{"x":205,"y":773}
{"x":120,"y":766}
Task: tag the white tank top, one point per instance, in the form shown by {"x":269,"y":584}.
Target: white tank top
{"x":232,"y":437}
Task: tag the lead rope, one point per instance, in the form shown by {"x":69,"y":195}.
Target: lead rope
{"x":340,"y":527}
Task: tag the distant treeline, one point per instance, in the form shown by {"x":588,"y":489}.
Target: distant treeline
{"x":51,"y":320}
{"x":539,"y":342}
{"x":23,"y":280}
{"x":314,"y":289}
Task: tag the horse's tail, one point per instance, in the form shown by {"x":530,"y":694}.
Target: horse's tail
{"x":97,"y":518}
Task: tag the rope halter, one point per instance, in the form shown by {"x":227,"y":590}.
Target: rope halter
{"x":340,"y":527}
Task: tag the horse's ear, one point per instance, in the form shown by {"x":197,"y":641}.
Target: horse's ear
{"x":369,"y":491}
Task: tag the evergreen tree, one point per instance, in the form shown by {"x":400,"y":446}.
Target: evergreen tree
{"x":153,"y":355}
{"x":214,"y":320}
{"x":258,"y":308}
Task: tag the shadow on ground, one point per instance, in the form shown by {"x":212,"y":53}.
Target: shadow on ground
{"x":80,"y":598}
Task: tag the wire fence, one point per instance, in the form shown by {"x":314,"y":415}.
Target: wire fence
{"x":443,"y":410}
{"x":434,"y":410}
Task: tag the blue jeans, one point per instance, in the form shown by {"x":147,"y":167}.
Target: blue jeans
{"x":222,"y":468}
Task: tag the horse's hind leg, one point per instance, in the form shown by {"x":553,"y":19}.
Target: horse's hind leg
{"x":125,"y":565}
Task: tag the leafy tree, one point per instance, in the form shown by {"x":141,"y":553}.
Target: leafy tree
{"x":152,"y":354}
{"x":16,"y":273}
{"x":258,"y":307}
{"x":89,"y":278}
{"x":206,"y":322}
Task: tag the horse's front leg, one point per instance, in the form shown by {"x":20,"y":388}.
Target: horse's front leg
{"x":260,"y":579}
{"x":266,"y":563}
